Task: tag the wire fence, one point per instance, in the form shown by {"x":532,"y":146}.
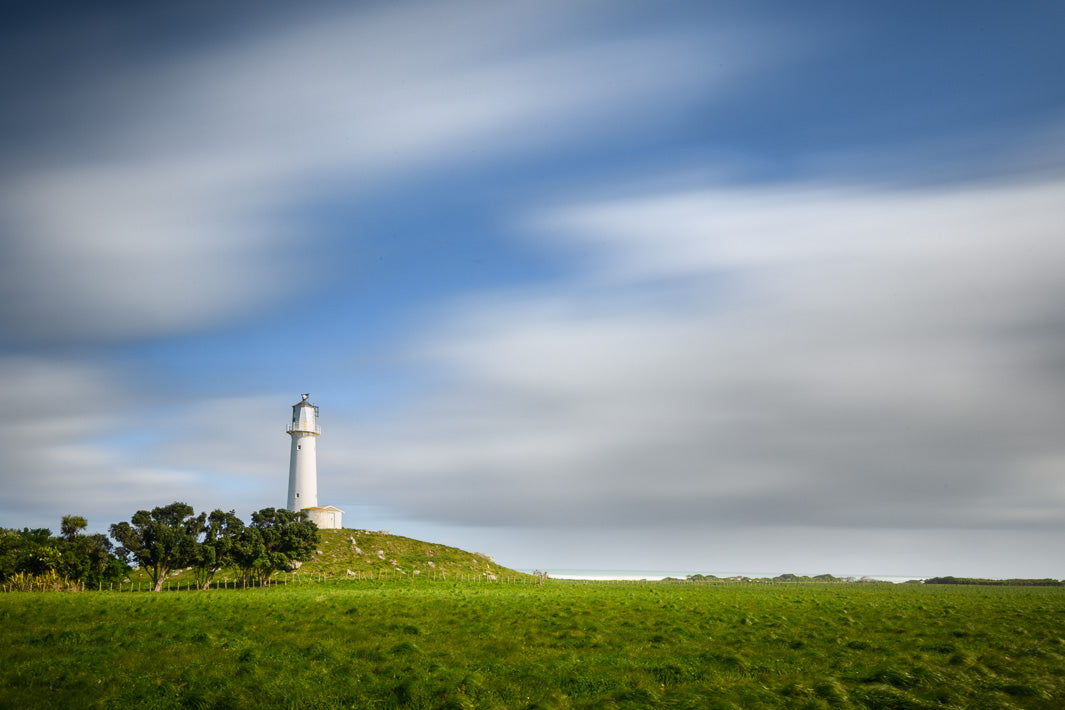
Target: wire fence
{"x":189,"y":584}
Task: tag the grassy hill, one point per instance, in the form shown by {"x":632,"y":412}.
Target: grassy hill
{"x":365,"y":554}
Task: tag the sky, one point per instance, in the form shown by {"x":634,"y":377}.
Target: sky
{"x":725,"y":287}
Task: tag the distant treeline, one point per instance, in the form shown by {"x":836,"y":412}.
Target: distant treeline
{"x":709,"y":578}
{"x":996,"y":582}
{"x":779,"y":578}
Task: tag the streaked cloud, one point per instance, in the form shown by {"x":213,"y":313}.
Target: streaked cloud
{"x":175,"y":218}
{"x":807,"y":356}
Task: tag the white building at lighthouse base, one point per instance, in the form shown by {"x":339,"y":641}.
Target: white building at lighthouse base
{"x":326,"y":517}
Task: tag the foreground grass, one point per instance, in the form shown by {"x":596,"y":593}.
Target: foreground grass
{"x":446,"y":645}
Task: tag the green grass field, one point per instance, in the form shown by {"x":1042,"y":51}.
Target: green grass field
{"x":442,"y":644}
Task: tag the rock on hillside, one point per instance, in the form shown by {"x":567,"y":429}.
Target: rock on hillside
{"x":363,"y":552}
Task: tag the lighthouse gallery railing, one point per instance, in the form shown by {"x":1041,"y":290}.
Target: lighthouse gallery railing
{"x":298,"y":426}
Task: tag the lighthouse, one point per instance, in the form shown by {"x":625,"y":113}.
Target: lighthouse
{"x":303,"y":461}
{"x":303,"y":467}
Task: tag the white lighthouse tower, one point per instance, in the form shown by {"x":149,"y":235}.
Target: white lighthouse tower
{"x":303,"y":467}
{"x":303,"y":461}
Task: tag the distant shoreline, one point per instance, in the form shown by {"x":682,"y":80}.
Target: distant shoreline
{"x":658,"y":575}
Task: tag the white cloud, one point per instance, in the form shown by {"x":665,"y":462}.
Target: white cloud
{"x":895,"y":374}
{"x":83,"y":439}
{"x":63,"y":420}
{"x":173,"y":217}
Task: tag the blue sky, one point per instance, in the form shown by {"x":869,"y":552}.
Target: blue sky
{"x":724,"y":287}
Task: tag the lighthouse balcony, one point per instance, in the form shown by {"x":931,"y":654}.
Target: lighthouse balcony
{"x":301,"y":427}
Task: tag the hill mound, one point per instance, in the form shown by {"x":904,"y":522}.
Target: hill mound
{"x":362,"y":554}
{"x":367,"y":553}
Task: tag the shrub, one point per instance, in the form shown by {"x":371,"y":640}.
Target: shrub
{"x":49,"y":581}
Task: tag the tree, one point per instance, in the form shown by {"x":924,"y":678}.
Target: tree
{"x":71,"y":525}
{"x":27,"y":551}
{"x":220,"y":531}
{"x":158,"y":541}
{"x":88,"y":559}
{"x":101,"y":564}
{"x":37,"y":553}
{"x":275,"y":540}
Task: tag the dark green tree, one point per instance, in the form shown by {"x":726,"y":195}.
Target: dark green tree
{"x":39,"y":536}
{"x":10,"y":543}
{"x":37,"y":553}
{"x":26,"y":550}
{"x":89,"y":559}
{"x":101,"y":565}
{"x":158,"y":541}
{"x":275,"y":540}
{"x":217,"y":535}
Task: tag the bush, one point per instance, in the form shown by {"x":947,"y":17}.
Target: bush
{"x":49,"y":581}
